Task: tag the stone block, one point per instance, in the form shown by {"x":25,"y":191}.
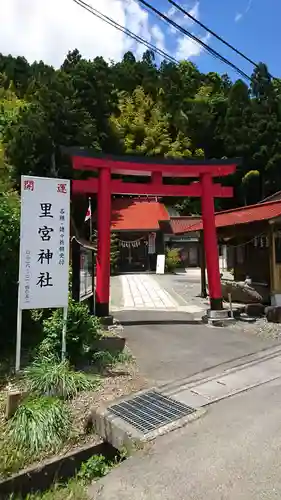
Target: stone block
{"x":255,"y":310}
{"x":114,"y":344}
{"x":13,"y":401}
{"x":240,"y":292}
{"x":107,"y":321}
{"x":273,"y":314}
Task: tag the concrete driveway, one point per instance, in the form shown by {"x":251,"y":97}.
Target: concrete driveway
{"x":168,"y":346}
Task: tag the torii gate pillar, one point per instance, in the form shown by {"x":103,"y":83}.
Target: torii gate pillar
{"x":103,"y":246}
{"x":210,"y":242}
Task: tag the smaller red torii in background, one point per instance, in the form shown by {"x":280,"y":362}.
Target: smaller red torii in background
{"x":104,"y":186}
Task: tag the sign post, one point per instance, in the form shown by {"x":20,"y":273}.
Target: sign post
{"x":44,"y":249}
{"x":64,"y":329}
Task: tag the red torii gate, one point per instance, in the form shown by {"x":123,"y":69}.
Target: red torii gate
{"x":157,"y":169}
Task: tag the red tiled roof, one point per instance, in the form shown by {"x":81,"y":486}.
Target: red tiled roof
{"x":244,"y":215}
{"x":180,"y":224}
{"x":137,"y":215}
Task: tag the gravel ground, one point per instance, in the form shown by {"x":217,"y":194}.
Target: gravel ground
{"x":260,"y":327}
{"x":120,"y":381}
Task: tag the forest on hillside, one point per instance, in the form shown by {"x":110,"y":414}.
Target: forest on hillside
{"x":139,"y":107}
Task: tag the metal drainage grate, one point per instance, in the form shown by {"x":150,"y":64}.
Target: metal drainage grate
{"x":150,"y":411}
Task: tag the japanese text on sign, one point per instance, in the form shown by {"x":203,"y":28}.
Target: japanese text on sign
{"x":44,"y":252}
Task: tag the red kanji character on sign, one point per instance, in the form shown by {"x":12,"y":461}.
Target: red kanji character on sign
{"x":28,"y":185}
{"x":62,"y":188}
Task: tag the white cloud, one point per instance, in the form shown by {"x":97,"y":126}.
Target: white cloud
{"x":182,"y":19}
{"x":238,"y":16}
{"x":194,"y":12}
{"x":186,"y":47}
{"x":159,"y":37}
{"x":47,"y":30}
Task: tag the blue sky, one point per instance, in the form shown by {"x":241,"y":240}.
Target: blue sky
{"x":251,"y":26}
{"x":48,"y":30}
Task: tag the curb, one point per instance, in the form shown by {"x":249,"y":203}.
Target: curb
{"x":41,"y":477}
{"x":121,"y":434}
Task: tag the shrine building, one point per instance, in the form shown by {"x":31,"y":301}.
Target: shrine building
{"x":146,"y":227}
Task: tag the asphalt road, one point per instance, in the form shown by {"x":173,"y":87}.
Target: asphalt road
{"x":167,"y":347}
{"x":232,"y":453}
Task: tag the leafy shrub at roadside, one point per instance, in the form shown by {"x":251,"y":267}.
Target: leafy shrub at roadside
{"x":106,"y":359}
{"x":49,"y":377}
{"x":97,"y":466}
{"x":40,"y":424}
{"x":173,"y":259}
{"x":9,"y":258}
{"x":12,"y":459}
{"x":82,"y":330}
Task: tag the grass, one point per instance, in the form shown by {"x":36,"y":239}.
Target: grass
{"x":52,"y":378}
{"x":74,"y":490}
{"x":11,"y":458}
{"x":96,"y":467}
{"x":51,"y":420}
{"x":104,"y":359}
{"x":39,"y":424}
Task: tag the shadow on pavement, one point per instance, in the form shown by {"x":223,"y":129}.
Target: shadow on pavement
{"x":140,"y":322}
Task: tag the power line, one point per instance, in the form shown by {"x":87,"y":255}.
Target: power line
{"x":149,"y":45}
{"x":210,"y":50}
{"x":180,"y":8}
{"x":121,"y":28}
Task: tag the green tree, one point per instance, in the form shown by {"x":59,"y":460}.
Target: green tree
{"x":144,"y":128}
{"x":265,"y":138}
{"x":137,"y":107}
{"x":53,"y":119}
{"x":130,"y":73}
{"x":114,"y":252}
{"x":9,"y":258}
{"x":94,"y":92}
{"x":250,"y":187}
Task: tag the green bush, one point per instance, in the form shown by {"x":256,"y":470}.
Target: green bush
{"x":39,"y":424}
{"x":104,"y":359}
{"x":9,"y":266}
{"x":48,"y":377}
{"x":9,"y":258}
{"x":172,"y":259}
{"x":97,"y":466}
{"x":12,"y":459}
{"x":82,"y":330}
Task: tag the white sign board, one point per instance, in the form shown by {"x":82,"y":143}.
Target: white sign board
{"x":160,"y":264}
{"x":44,"y":243}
